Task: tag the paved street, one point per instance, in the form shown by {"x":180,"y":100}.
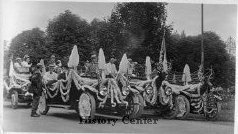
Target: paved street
{"x":66,"y":121}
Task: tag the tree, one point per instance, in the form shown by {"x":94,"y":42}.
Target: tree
{"x":65,"y":31}
{"x":31,"y":42}
{"x":188,"y":51}
{"x":139,"y":29}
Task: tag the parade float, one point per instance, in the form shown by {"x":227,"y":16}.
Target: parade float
{"x":91,"y":96}
{"x":175,"y":95}
{"x":194,"y":93}
{"x":16,"y":86}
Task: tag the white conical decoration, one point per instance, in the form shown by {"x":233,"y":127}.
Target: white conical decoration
{"x":74,"y":57}
{"x":101,"y":60}
{"x":123,"y":67}
{"x":186,"y":74}
{"x":147,"y":67}
{"x":43,"y":67}
{"x":11,"y":69}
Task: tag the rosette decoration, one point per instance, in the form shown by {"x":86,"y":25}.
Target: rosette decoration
{"x":74,"y":57}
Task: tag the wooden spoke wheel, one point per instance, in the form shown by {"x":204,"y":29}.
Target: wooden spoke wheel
{"x":182,"y":106}
{"x":43,"y":107}
{"x":212,"y":113}
{"x":136,"y":106}
{"x":14,"y":99}
{"x":86,"y":106}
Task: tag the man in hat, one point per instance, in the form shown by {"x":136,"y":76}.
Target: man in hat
{"x":52,"y":60}
{"x":93,"y":66}
{"x":131,"y":67}
{"x":36,"y":89}
{"x":111,"y":68}
{"x":50,"y":77}
{"x":18,"y":65}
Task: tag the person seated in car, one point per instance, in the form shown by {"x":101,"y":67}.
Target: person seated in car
{"x":52,"y":60}
{"x":93,"y":67}
{"x":26,"y":65}
{"x":58,"y":63}
{"x":50,"y":77}
{"x":131,"y":67}
{"x":111,"y":68}
{"x":18,"y":65}
{"x":64,"y":73}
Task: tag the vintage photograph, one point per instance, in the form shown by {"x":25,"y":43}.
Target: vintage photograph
{"x":118,"y":67}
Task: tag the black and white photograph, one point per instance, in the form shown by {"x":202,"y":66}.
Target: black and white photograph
{"x":118,"y":67}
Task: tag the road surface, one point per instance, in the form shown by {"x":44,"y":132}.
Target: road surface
{"x":66,"y":121}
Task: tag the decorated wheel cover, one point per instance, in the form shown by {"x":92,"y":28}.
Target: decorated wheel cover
{"x":86,"y":106}
{"x":183,"y":106}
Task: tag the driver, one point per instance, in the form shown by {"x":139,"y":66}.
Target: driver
{"x":111,"y":68}
{"x":50,"y":77}
{"x":93,"y":66}
{"x":26,"y":64}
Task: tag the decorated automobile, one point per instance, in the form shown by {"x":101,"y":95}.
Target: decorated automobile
{"x":16,"y":86}
{"x":197,"y":95}
{"x":154,"y":95}
{"x":92,"y":93}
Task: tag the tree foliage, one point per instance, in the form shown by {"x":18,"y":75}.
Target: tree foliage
{"x":187,"y":50}
{"x":65,"y":31}
{"x":141,"y":27}
{"x":133,"y":28}
{"x":31,"y":42}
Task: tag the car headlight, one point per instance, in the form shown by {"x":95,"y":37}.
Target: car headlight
{"x":125,"y":91}
{"x":168,"y":91}
{"x":103,"y":91}
{"x":149,"y":89}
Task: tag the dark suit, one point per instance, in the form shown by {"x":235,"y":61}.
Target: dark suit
{"x":36,"y":89}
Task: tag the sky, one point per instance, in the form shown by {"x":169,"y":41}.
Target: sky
{"x":25,"y":15}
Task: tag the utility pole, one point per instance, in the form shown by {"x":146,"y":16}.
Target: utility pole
{"x":202,"y":45}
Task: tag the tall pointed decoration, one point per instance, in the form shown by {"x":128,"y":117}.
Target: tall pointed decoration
{"x":74,"y":57}
{"x":162,"y":50}
{"x":163,"y":56}
{"x":11,"y":69}
{"x":123,"y":66}
{"x":43,"y":66}
{"x":186,"y":75}
{"x":101,"y":60}
{"x":147,"y":67}
{"x":165,"y":64}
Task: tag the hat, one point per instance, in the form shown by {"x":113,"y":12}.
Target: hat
{"x":39,"y":65}
{"x":18,"y":58}
{"x":93,"y":56}
{"x":51,"y":65}
{"x":26,"y":56}
{"x":113,"y":60}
